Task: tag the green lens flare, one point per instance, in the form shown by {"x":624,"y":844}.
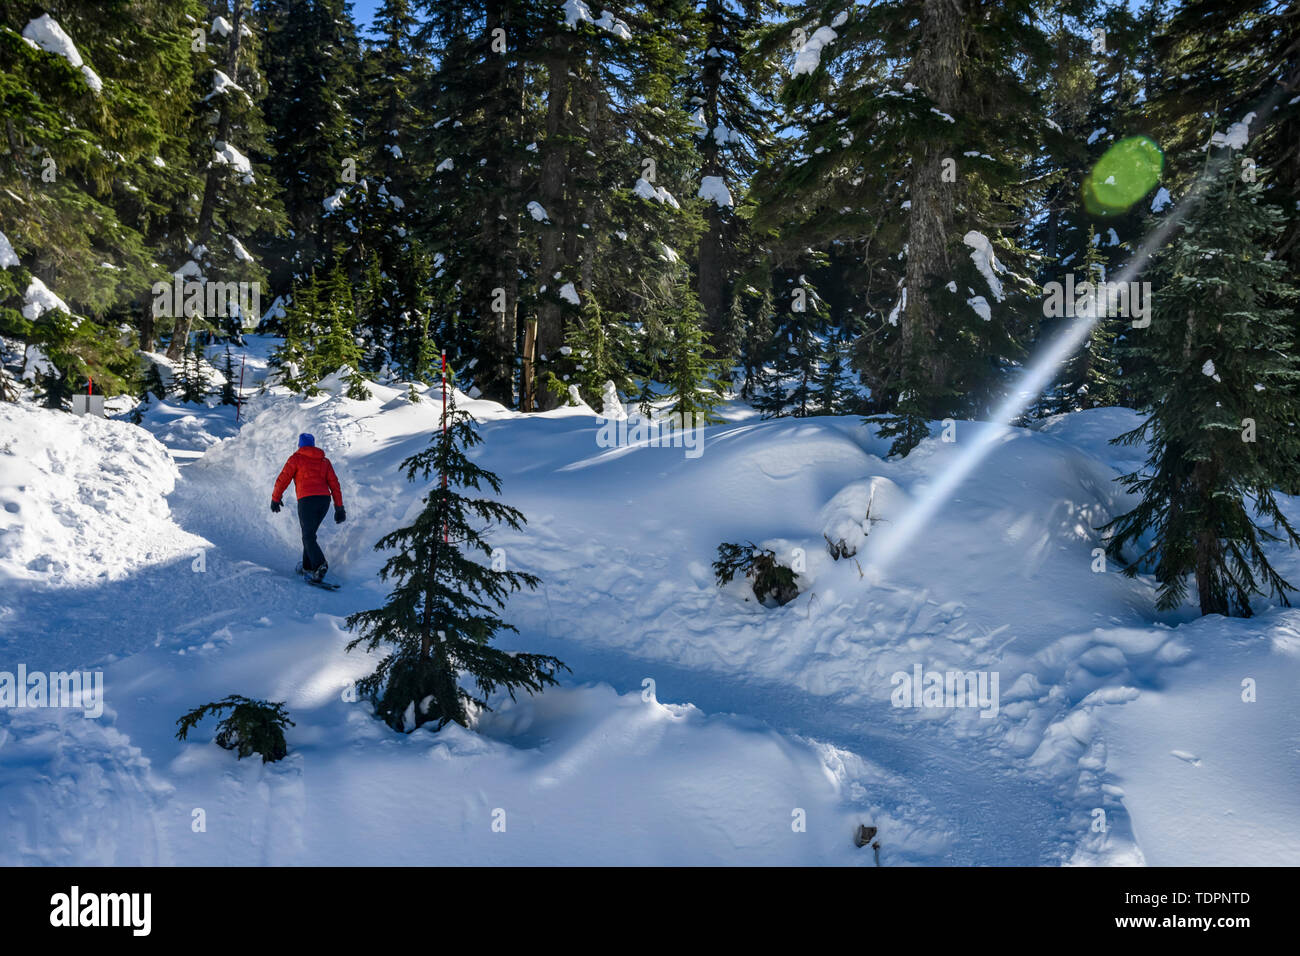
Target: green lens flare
{"x":1125,"y":173}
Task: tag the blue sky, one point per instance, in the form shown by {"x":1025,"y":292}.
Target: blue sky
{"x":363,"y":11}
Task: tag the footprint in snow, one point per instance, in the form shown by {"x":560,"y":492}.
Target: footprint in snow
{"x":1192,"y":759}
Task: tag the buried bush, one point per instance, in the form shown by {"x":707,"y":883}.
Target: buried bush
{"x":771,"y":581}
{"x":253,"y":727}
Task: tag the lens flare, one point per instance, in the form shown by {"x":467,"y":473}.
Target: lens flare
{"x":884,"y":547}
{"x":1125,"y":173}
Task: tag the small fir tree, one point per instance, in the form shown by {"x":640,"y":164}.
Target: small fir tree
{"x":441,"y":617}
{"x":191,"y":384}
{"x":228,"y":396}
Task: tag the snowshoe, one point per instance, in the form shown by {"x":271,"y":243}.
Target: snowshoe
{"x":317,"y":578}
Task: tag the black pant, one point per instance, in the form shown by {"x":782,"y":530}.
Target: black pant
{"x":311,"y":512}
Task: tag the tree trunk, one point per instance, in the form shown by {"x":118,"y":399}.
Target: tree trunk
{"x":711,"y":276}
{"x":500,"y":326}
{"x":550,"y":318}
{"x":936,"y":69}
{"x":207,"y":212}
{"x":1208,"y":556}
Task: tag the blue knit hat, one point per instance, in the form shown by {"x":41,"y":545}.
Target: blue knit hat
{"x":306,"y":441}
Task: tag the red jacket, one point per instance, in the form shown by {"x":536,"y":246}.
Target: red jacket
{"x":311,"y":474}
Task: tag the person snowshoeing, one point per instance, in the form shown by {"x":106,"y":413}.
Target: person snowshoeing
{"x":314,"y":483}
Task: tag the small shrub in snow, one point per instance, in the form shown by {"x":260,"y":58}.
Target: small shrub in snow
{"x":772,"y":582}
{"x":847,"y":536}
{"x":253,"y":727}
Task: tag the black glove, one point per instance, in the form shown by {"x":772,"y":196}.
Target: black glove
{"x":339,"y":514}
{"x":275,"y":506}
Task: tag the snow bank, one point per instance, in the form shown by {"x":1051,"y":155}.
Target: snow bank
{"x":83,"y":499}
{"x":848,"y":517}
{"x":1098,"y":704}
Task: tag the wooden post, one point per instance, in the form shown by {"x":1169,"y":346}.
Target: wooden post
{"x":529,"y":396}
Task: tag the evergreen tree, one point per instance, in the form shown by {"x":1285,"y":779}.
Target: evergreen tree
{"x":915,"y":122}
{"x":75,"y":141}
{"x":789,"y":380}
{"x":298,"y":328}
{"x":153,"y":380}
{"x":55,"y":389}
{"x":1088,"y":378}
{"x":191,"y":382}
{"x":442,"y":615}
{"x":599,"y":349}
{"x":1230,"y":71}
{"x":730,"y":94}
{"x":833,"y":393}
{"x":239,"y":202}
{"x":398,"y":274}
{"x":320,"y":335}
{"x":476,"y":156}
{"x":1221,"y":423}
{"x":312,"y":57}
{"x":228,"y":387}
{"x":684,"y":363}
{"x":755,"y":334}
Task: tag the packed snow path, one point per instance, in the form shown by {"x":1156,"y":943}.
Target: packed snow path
{"x":623,"y":539}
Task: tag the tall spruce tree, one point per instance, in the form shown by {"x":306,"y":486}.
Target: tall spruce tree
{"x":312,"y":56}
{"x":442,"y":615}
{"x":788,"y":381}
{"x":730,"y":91}
{"x":1088,"y":378}
{"x":78,"y":147}
{"x":1222,"y":376}
{"x":1230,"y":71}
{"x":239,"y":201}
{"x":912,"y":124}
{"x":478,"y":156}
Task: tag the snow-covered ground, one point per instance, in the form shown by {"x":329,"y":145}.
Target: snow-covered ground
{"x":697,"y":726}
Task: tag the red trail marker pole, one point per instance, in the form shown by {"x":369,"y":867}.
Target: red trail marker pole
{"x":239,"y":396}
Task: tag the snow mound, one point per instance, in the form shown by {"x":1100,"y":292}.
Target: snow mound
{"x":82,"y":499}
{"x":848,"y":517}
